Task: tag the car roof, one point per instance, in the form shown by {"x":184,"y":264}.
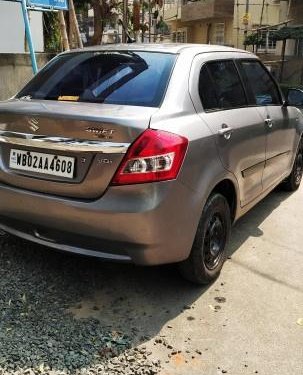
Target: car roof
{"x":175,"y":48}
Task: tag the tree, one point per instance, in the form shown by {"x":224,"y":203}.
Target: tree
{"x":52,"y":37}
{"x":103,"y":12}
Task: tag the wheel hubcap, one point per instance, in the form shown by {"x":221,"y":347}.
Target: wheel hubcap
{"x":214,"y":242}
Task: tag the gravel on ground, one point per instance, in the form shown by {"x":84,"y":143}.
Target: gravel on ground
{"x":38,"y":334}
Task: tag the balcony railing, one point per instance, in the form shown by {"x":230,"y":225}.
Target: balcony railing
{"x":206,"y":9}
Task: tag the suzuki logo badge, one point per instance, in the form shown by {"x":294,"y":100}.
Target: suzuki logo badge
{"x":33,"y":124}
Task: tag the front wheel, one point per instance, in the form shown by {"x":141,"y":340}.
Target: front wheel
{"x":292,"y":182}
{"x":208,"y":252}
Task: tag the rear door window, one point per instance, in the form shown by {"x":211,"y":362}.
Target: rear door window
{"x":112,"y":77}
{"x":261,"y":88}
{"x":220,"y":86}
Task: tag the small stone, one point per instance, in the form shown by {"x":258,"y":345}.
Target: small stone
{"x":190,"y":318}
{"x":220,"y":299}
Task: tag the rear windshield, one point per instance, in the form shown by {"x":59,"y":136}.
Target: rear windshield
{"x":128,"y":78}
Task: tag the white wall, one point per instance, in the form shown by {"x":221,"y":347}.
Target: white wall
{"x":12,"y":28}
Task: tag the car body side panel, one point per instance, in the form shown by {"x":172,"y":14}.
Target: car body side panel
{"x":243,"y":153}
{"x":281,"y":138}
{"x":202,"y":169}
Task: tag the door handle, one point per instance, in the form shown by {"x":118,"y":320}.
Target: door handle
{"x":269,"y":122}
{"x":226,"y":131}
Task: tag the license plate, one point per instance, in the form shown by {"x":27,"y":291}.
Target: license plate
{"x":56,"y":165}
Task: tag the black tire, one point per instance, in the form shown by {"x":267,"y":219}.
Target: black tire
{"x":208,"y":252}
{"x":293,"y":181}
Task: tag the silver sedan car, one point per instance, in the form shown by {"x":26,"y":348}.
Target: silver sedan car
{"x":145,"y":153}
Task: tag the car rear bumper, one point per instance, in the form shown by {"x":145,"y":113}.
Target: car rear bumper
{"x":145,"y":224}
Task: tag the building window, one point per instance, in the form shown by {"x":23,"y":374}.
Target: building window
{"x":219,"y":33}
{"x":179,"y":36}
{"x":268,"y":43}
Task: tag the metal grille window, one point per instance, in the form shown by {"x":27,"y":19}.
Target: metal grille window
{"x":179,"y":36}
{"x":267,"y":40}
{"x":219,"y":33}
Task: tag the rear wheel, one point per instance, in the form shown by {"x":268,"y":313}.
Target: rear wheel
{"x":292,"y":182}
{"x":208,"y":251}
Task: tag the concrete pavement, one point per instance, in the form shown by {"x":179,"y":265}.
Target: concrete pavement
{"x":244,"y":323}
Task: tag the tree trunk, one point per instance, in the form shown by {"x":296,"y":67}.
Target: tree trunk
{"x":63,"y":31}
{"x":98,"y":23}
{"x":75,"y":24}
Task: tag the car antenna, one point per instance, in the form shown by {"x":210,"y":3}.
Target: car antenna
{"x":129,"y":39}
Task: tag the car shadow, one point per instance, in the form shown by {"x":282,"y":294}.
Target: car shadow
{"x":249,"y":224}
{"x":67,"y":311}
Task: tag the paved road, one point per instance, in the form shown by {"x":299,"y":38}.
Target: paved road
{"x":244,"y":323}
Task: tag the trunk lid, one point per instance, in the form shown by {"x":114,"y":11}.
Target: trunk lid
{"x":95,"y":136}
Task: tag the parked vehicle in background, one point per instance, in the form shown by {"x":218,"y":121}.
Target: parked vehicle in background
{"x":145,"y":153}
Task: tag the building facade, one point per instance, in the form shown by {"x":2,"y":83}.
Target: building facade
{"x":224,"y":22}
{"x":12,"y":31}
{"x":204,"y":21}
{"x":262,"y":16}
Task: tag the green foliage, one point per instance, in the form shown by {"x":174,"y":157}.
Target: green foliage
{"x":82,"y":5}
{"x":52,"y":36}
{"x":254,"y":39}
{"x":286,"y":32}
{"x":162,"y":26}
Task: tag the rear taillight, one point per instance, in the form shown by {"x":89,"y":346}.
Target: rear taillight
{"x":155,"y":156}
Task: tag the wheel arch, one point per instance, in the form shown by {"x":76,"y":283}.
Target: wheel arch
{"x":228,"y":189}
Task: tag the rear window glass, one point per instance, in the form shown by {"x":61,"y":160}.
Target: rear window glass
{"x":128,"y":78}
{"x":220,"y":86}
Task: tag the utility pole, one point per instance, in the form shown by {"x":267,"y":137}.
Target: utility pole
{"x":260,"y":25}
{"x":149,"y":21}
{"x":284,"y":46}
{"x":288,"y":9}
{"x":142,"y":20}
{"x":246,"y":25}
{"x":125,"y":20}
{"x":29,"y":36}
{"x":262,"y":12}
